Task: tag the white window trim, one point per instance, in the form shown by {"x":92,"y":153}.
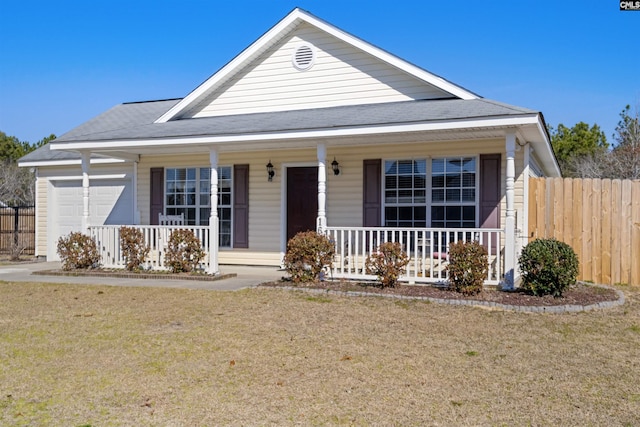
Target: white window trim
{"x":198,"y":206}
{"x":429,"y":185}
{"x":427,"y":188}
{"x":476,"y":203}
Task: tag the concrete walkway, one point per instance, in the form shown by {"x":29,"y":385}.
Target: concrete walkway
{"x":246,"y":277}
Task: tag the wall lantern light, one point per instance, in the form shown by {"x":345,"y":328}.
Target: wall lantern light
{"x":334,"y":166}
{"x":270,"y":171}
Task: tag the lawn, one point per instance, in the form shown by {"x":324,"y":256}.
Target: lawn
{"x":87,"y":355}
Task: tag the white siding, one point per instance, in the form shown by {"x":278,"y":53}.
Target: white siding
{"x":344,"y":191}
{"x":341,"y":75}
{"x":264,"y":201}
{"x":41,"y":215}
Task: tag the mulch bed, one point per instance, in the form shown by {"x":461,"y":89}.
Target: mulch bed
{"x":580,"y":294}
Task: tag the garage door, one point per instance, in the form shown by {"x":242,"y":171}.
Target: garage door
{"x":110,"y":202}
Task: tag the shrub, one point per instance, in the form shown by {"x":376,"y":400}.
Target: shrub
{"x":78,"y":250}
{"x":184,"y":251}
{"x":388,"y":263}
{"x":16,"y":249}
{"x":134,"y":251}
{"x":307,"y":254}
{"x":548,"y":267}
{"x":467,"y":267}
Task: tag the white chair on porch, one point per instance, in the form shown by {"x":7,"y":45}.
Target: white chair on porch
{"x":161,"y":239}
{"x":170,"y":219}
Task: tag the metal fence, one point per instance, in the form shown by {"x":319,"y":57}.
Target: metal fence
{"x":18,"y":230}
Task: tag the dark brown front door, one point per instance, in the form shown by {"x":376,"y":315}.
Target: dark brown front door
{"x":302,"y":199}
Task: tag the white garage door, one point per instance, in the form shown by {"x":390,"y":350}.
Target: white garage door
{"x":110,"y":202}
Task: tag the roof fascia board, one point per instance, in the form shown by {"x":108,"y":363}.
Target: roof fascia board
{"x":231,"y":66}
{"x":390,"y":58}
{"x":548,"y":149}
{"x":279,"y":30}
{"x":318,"y":133}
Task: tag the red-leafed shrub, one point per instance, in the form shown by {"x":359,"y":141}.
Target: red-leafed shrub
{"x":184,"y":251}
{"x":78,"y":250}
{"x":134,"y":250}
{"x":388,"y":263}
{"x":307,"y":254}
{"x":467,"y":267}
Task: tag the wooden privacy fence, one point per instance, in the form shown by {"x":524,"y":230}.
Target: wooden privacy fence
{"x":599,"y":218}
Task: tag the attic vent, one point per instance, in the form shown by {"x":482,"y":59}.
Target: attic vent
{"x":303,"y":57}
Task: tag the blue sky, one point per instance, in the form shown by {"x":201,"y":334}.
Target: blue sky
{"x":64,"y":62}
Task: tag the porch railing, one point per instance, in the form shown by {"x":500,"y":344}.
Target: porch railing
{"x":107,"y":238}
{"x":427,"y":248}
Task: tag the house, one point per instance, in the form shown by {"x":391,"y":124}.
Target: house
{"x":307,"y":128}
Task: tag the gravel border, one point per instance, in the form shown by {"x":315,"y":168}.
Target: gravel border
{"x":556,"y":309}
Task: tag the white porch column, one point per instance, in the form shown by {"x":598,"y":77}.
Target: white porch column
{"x":321,"y":223}
{"x":213,"y":217}
{"x":85,"y":160}
{"x":510,"y":221}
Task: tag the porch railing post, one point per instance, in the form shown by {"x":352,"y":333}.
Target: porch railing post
{"x":510,"y":219}
{"x":322,"y":188}
{"x":85,"y":161}
{"x":213,"y":216}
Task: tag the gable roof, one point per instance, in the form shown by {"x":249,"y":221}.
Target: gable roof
{"x":136,"y":121}
{"x":129,"y":130}
{"x":127,"y":116}
{"x":133,"y":127}
{"x":287,"y":25}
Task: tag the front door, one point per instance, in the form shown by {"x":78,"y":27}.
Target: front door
{"x":302,"y":199}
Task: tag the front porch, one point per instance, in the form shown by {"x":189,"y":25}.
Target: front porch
{"x":427,"y":249}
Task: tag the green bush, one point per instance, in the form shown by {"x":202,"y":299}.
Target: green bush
{"x":134,"y":251}
{"x":388,"y":263}
{"x":467,"y":267}
{"x":78,"y":250}
{"x":307,"y":254}
{"x":548,"y":267}
{"x":184,"y":251}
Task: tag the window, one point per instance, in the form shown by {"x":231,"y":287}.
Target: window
{"x":444,"y":196}
{"x":187,"y":192}
{"x":405,"y":193}
{"x":224,"y":207}
{"x":453,"y":192}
